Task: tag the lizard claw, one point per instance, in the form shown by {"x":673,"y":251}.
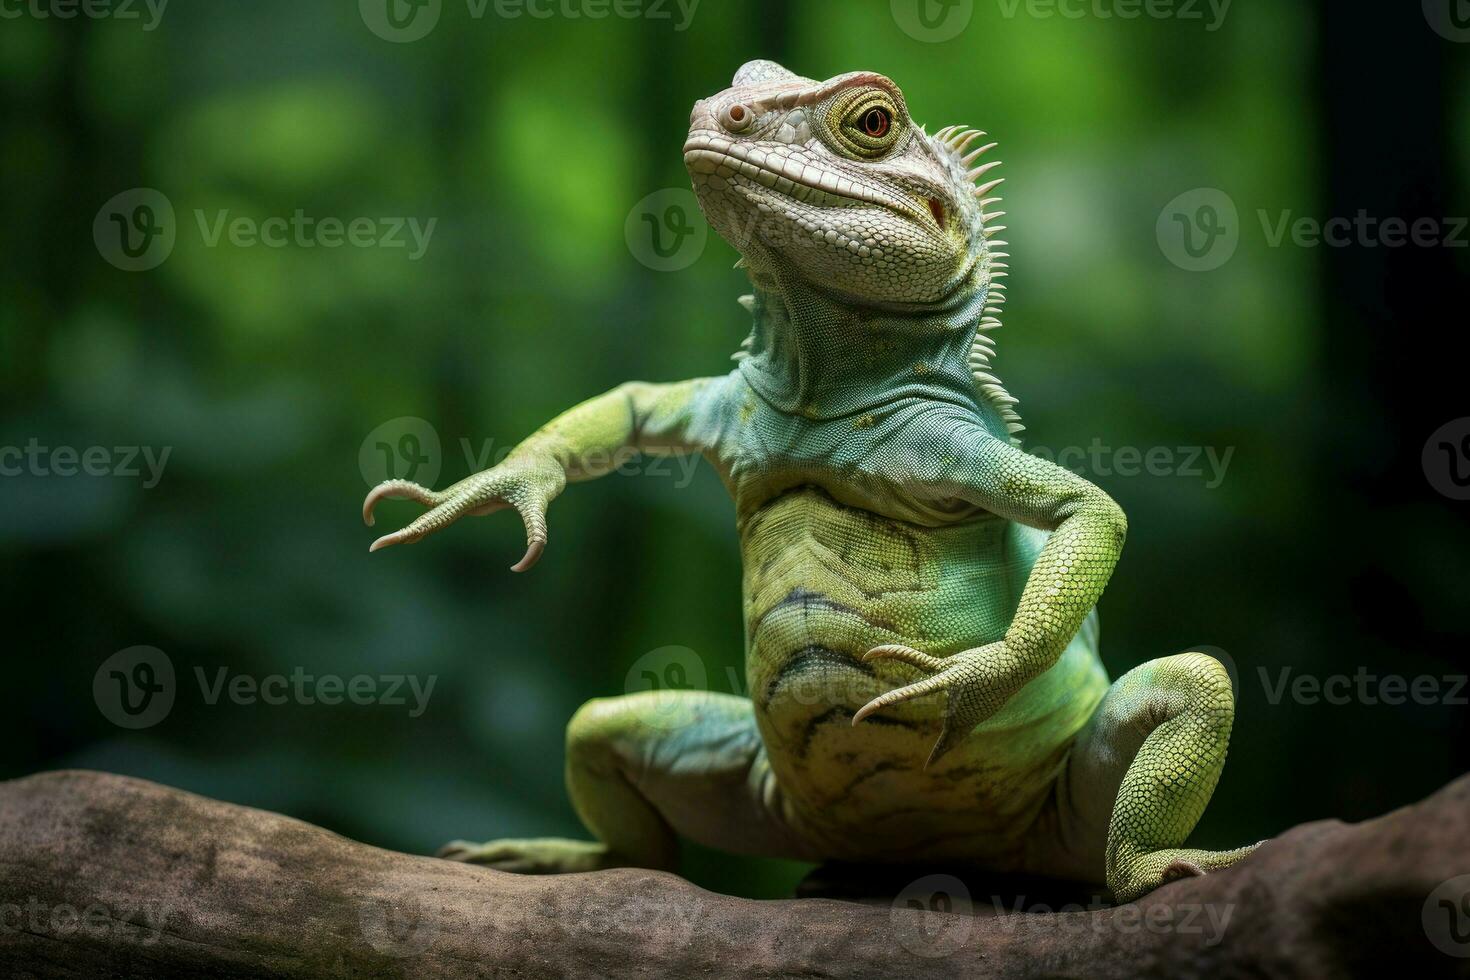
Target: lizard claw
{"x":973,"y":685}
{"x":529,"y":488}
{"x":397,"y":490}
{"x":532,"y":556}
{"x":934,"y":682}
{"x":903,"y":654}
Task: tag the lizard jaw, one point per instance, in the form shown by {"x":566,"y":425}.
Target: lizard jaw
{"x":712,"y":155}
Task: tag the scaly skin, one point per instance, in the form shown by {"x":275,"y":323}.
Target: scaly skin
{"x":920,"y":636}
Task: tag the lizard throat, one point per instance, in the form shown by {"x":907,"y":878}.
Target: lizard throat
{"x":812,"y":354}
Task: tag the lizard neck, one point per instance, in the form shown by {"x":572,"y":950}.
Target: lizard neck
{"x":815,"y":354}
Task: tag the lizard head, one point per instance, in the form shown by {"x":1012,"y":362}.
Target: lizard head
{"x":834,"y":181}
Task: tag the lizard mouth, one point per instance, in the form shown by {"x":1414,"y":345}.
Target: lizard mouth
{"x":709,"y":153}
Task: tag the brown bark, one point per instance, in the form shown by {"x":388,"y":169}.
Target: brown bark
{"x":103,"y":875}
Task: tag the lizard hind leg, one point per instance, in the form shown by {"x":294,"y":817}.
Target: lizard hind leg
{"x":1144,"y":768}
{"x":646,"y":769}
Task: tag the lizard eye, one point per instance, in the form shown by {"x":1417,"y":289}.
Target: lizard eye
{"x":736,"y":118}
{"x":866,"y":122}
{"x":876,"y":122}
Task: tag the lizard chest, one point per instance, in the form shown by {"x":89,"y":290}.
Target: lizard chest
{"x":825,"y":583}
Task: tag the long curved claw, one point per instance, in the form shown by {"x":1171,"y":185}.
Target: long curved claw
{"x":397,"y":490}
{"x":900,"y":694}
{"x":425,"y":523}
{"x":532,"y":556}
{"x":903,"y":654}
{"x":954,"y":676}
{"x":908,"y":655}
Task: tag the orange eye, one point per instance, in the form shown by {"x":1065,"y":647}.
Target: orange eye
{"x":876,"y":122}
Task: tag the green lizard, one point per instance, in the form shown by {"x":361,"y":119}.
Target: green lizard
{"x":921,"y":640}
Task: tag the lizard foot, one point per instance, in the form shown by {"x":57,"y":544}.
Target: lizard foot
{"x":531,"y":855}
{"x":976,"y":684}
{"x":1132,"y":877}
{"x":529,"y":485}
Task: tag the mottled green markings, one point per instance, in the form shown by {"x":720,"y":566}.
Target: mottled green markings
{"x":919,"y":593}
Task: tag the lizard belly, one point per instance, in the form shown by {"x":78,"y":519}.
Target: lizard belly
{"x":825,"y":583}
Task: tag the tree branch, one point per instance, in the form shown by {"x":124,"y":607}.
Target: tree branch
{"x":103,"y":875}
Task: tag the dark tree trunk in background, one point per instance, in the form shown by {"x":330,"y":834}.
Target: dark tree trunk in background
{"x":1395,"y":349}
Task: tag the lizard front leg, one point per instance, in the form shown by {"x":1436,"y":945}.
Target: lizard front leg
{"x":583,"y":443}
{"x":1087,"y":528}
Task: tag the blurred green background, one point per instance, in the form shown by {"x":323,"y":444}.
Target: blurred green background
{"x":271,"y":373}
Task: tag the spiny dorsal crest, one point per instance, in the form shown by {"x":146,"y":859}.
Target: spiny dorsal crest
{"x":956,"y":141}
